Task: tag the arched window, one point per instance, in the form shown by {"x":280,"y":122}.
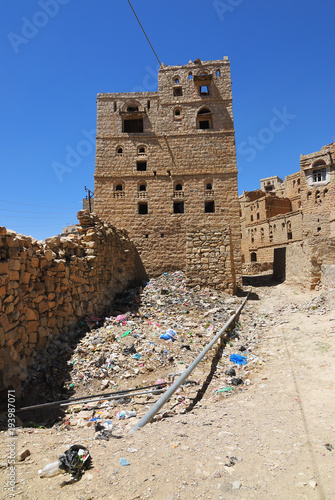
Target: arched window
{"x":209,"y":186}
{"x":119,"y":150}
{"x":178,"y":187}
{"x":176,"y":80}
{"x":177,"y":112}
{"x":118,"y":187}
{"x":218,"y":72}
{"x":204,"y":119}
{"x":190,"y":76}
{"x":253,"y":257}
{"x":141,"y":150}
{"x":142,"y":187}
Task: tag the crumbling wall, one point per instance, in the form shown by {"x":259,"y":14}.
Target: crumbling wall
{"x":46,"y":287}
{"x":310,"y":262}
{"x":209,"y":258}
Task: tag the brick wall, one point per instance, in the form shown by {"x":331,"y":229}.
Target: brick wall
{"x":46,"y":287}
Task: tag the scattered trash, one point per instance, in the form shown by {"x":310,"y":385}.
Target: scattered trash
{"x":125,"y":414}
{"x":231,"y":372}
{"x":238,"y":359}
{"x":329,"y":446}
{"x":75,"y":461}
{"x":237,"y":381}
{"x":225,"y":389}
{"x":168,"y":335}
{"x":123,"y":462}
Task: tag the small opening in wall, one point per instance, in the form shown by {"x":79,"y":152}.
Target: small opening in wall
{"x":143,"y":208}
{"x":133,"y":126}
{"x":141,"y":166}
{"x":115,"y":106}
{"x":169,"y":173}
{"x":209,"y":186}
{"x":257,"y":215}
{"x":148,"y":105}
{"x":178,"y":187}
{"x":253,"y":257}
{"x":132,"y":109}
{"x":319,"y":229}
{"x":204,"y":90}
{"x":155,"y":173}
{"x":141,"y":150}
{"x":204,"y":124}
{"x":218,"y":72}
{"x":146,"y":236}
{"x":289,"y":236}
{"x":176,"y":80}
{"x":162,"y":235}
{"x":178,"y":207}
{"x":142,"y":187}
{"x":177,"y":112}
{"x":177,"y":91}
{"x":209,"y":207}
{"x":119,"y":151}
{"x":119,"y":187}
{"x":190,"y":76}
{"x":251,"y":218}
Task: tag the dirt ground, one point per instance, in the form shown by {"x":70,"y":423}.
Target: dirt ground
{"x":272,"y":437}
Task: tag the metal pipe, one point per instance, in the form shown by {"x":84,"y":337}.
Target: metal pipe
{"x":94,"y":397}
{"x":158,"y":405}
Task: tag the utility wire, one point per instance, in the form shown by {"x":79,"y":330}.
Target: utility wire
{"x":146,"y":36}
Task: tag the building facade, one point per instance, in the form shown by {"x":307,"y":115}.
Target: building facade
{"x":166,"y":171}
{"x":284,"y":213}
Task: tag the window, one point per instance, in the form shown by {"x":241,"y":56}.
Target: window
{"x":257,"y":215}
{"x":162,"y":235}
{"x":133,"y":126}
{"x":209,"y":207}
{"x":115,"y":106}
{"x":119,"y":187}
{"x":177,"y":91}
{"x":119,"y":150}
{"x":141,"y":150}
{"x":218,"y":72}
{"x":209,"y":186}
{"x":190,"y":76}
{"x":176,"y":79}
{"x":148,"y":105}
{"x":142,"y":187}
{"x":204,"y":90}
{"x":143,"y":208}
{"x":178,"y":207}
{"x":178,"y":187}
{"x":251,"y":218}
{"x":177,"y":112}
{"x":204,"y":119}
{"x":141,"y":166}
{"x":132,"y":109}
{"x":253,"y":257}
{"x":319,"y":175}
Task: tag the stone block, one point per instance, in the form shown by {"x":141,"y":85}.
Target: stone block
{"x":14,"y":265}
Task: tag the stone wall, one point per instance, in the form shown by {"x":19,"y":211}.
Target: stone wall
{"x":310,"y":262}
{"x":209,"y":258}
{"x":46,"y":287}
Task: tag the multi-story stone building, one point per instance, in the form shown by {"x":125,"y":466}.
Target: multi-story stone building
{"x":166,"y":171}
{"x":284,"y":213}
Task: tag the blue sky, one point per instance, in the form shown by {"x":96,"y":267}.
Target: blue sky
{"x":58,"y":54}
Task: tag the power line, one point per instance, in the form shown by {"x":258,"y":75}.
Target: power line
{"x":144,"y":32}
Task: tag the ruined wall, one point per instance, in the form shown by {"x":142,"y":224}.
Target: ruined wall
{"x":46,"y":287}
{"x":209,"y":258}
{"x":310,"y":262}
{"x":173,"y":174}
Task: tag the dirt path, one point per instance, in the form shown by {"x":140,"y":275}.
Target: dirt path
{"x":267,"y":440}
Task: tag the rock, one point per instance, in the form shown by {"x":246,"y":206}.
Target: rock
{"x":23,"y":455}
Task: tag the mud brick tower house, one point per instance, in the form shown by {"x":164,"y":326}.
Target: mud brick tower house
{"x":166,"y":171}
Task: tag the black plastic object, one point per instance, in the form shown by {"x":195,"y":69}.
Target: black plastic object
{"x":75,"y":461}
